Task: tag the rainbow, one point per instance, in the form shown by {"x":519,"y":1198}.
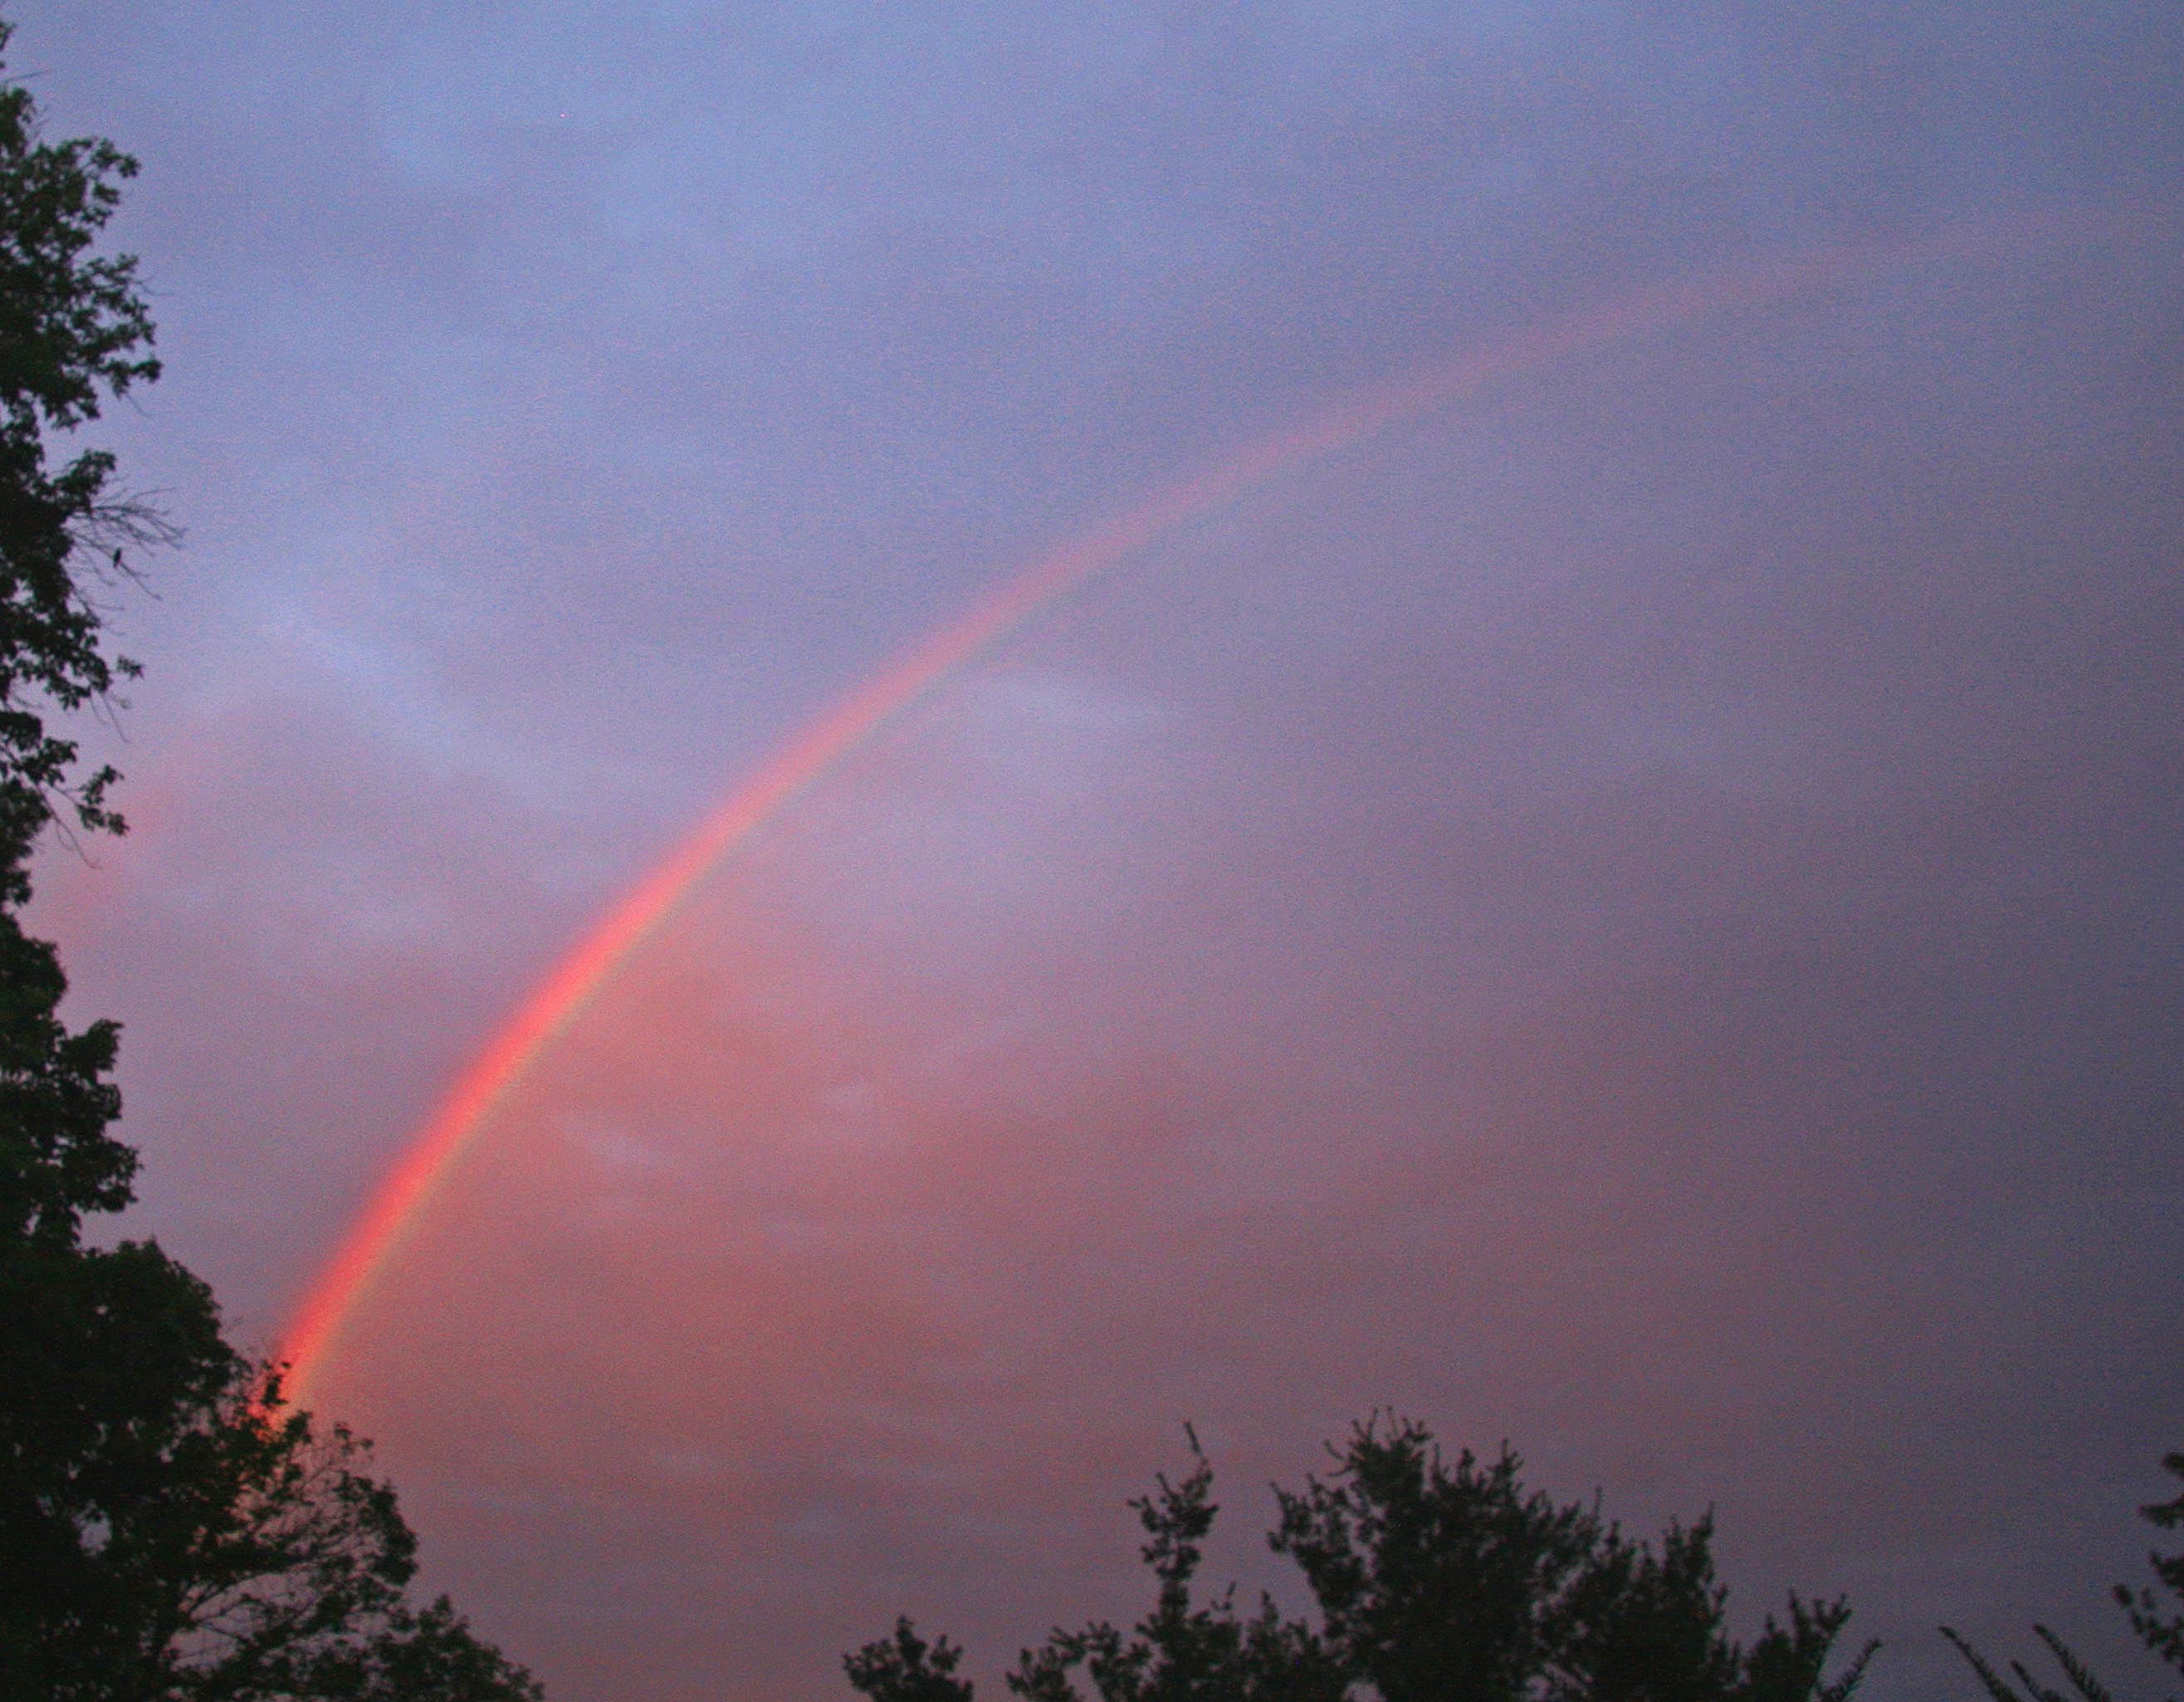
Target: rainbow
{"x":407,"y":1190}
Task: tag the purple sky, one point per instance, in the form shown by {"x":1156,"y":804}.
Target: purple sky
{"x":1636,"y":912}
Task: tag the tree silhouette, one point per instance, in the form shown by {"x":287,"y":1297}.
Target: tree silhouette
{"x":1183,"y":1651}
{"x":906,"y":1668}
{"x":169,"y":1529}
{"x":1435,"y":1581}
{"x":2159,"y":1628}
{"x":1447,"y":1583}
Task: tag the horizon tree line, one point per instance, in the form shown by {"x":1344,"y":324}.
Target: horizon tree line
{"x":1434,"y":1580}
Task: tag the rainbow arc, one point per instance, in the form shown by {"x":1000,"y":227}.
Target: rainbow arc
{"x":405,"y":1195}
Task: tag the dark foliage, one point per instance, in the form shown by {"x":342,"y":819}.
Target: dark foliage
{"x":170,"y":1530}
{"x":1183,"y":1651}
{"x":906,"y":1668}
{"x":1444,"y":1581}
{"x":1435,"y":1582}
{"x":2160,"y":1627}
{"x":73,"y":330}
{"x":251,"y":1556}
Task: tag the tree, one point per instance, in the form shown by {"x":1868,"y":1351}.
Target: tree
{"x":2159,"y":1625}
{"x":263,"y":1561}
{"x":1434,"y":1583}
{"x":1183,"y":1651}
{"x":906,"y":1668}
{"x":72,"y":330}
{"x":169,"y":1529}
{"x":2159,"y":1628}
{"x":1443,"y":1582}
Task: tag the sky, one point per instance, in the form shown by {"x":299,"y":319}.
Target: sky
{"x":1632,"y":910}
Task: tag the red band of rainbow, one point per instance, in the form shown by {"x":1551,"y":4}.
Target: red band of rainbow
{"x":432,"y":1156}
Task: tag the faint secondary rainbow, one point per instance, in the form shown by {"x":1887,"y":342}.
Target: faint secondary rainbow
{"x":438,"y":1149}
